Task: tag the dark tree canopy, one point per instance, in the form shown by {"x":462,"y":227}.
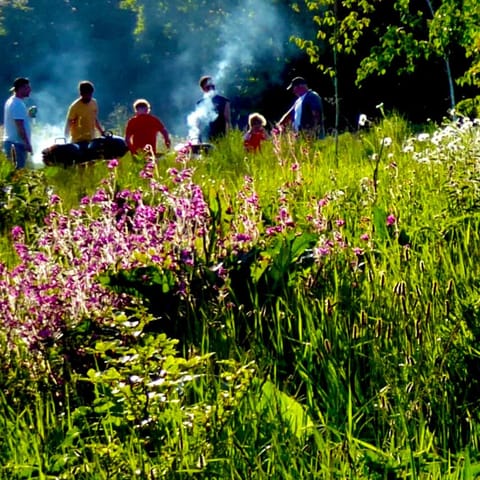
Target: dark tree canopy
{"x":159,"y":49}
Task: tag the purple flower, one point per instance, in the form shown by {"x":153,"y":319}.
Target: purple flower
{"x":391,"y":220}
{"x":323,"y":251}
{"x":99,"y":196}
{"x":242,"y":237}
{"x":17,"y":233}
{"x":54,"y":199}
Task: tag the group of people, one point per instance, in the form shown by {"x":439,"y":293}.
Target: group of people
{"x":81,"y":123}
{"x":305,"y":117}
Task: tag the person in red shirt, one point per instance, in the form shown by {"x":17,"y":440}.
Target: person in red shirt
{"x":142,"y":129}
{"x":256,"y":134}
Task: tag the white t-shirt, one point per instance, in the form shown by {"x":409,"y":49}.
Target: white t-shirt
{"x":15,"y":109}
{"x":297,"y":118}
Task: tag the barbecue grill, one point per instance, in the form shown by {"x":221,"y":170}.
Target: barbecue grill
{"x":105,"y":147}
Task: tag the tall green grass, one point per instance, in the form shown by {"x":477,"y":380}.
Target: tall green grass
{"x":359,"y":366}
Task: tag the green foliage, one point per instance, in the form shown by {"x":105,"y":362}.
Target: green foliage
{"x":413,"y":33}
{"x":340,"y":24}
{"x":343,"y":344}
{"x":24,"y":198}
{"x":469,"y":107}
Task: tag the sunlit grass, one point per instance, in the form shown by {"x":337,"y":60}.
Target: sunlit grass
{"x":343,"y":345}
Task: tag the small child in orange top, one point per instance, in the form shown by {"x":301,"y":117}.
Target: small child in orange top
{"x":256,"y":134}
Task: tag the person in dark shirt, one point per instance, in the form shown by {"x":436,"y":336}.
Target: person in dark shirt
{"x":214,"y":112}
{"x":306,"y":114}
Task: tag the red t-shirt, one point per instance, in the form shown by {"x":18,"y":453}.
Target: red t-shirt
{"x":142,"y":130}
{"x":253,"y":139}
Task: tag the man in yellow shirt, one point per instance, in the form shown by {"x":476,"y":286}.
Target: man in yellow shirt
{"x":82,"y":116}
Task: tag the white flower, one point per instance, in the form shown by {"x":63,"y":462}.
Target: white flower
{"x":466,"y":124}
{"x":423,"y":137}
{"x":335,"y":195}
{"x":362,"y":120}
{"x":387,"y":141}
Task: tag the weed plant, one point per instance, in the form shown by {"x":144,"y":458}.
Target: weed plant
{"x":305,"y":312}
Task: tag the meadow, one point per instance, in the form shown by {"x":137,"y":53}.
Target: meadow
{"x":310,"y":311}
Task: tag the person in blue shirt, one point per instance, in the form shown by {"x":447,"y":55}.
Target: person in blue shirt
{"x":306,"y":115}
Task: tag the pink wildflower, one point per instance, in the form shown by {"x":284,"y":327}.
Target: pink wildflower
{"x":391,"y":220}
{"x":17,"y":233}
{"x":54,"y":199}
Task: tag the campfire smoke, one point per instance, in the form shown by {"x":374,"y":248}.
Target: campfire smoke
{"x":199,"y":119}
{"x":43,"y":136}
{"x":247,"y":45}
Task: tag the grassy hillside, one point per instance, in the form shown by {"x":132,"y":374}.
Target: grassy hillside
{"x":307,"y":312}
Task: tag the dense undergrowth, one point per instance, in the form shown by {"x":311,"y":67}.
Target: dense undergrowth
{"x":307,"y":312}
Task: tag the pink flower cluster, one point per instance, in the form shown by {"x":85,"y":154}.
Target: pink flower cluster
{"x":56,"y":282}
{"x":55,"y":285}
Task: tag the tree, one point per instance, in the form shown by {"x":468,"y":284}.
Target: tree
{"x":381,"y":36}
{"x":19,"y":4}
{"x":429,"y":30}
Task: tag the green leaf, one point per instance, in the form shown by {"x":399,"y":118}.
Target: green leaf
{"x":380,"y":224}
{"x":289,"y":409}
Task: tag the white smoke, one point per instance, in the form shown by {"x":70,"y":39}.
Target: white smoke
{"x":199,"y":119}
{"x":255,"y":28}
{"x":43,"y":136}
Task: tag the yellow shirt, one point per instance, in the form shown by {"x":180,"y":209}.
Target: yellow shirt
{"x":82,"y":117}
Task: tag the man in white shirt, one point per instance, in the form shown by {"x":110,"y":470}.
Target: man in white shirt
{"x":306,"y":114}
{"x":16,"y":124}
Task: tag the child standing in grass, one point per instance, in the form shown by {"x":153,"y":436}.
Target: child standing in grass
{"x":256,"y":133}
{"x":143,"y":128}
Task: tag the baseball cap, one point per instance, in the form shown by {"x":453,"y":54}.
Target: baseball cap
{"x":19,"y":82}
{"x":206,"y":81}
{"x":297,"y":81}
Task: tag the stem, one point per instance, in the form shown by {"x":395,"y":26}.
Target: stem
{"x":335,"y":80}
{"x":448,"y":69}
